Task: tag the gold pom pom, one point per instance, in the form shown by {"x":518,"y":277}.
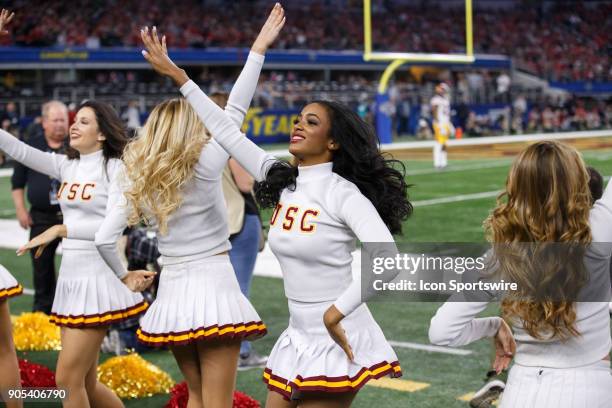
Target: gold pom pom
{"x":34,"y":332}
{"x":132,"y":376}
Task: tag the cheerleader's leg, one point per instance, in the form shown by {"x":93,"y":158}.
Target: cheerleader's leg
{"x":328,"y":400}
{"x":79,"y":355}
{"x":218,"y":365}
{"x":8,"y":359}
{"x":100,"y":396}
{"x":188,"y":361}
{"x":276,"y":400}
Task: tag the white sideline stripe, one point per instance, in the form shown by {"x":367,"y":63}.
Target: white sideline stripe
{"x":463,"y":197}
{"x":452,"y":169}
{"x":6,"y":172}
{"x":475,"y":141}
{"x":431,"y":348}
{"x":457,"y":198}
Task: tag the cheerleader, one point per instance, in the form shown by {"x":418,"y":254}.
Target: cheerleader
{"x":8,"y":288}
{"x":88,"y":295}
{"x":173,"y":181}
{"x":342,"y":189}
{"x":8,"y":360}
{"x":560,"y":348}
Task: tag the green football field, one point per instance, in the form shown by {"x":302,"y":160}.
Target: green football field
{"x":450,"y":206}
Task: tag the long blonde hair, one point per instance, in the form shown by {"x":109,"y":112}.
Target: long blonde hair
{"x":161,"y":159}
{"x":546,"y":202}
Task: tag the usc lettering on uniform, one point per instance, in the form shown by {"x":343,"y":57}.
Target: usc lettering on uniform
{"x":293,"y":216}
{"x":75,"y":191}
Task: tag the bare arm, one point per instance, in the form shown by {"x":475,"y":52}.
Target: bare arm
{"x":243,"y":179}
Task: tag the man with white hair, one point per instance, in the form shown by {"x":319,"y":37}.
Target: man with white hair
{"x":44,"y":207}
{"x":442,"y":126}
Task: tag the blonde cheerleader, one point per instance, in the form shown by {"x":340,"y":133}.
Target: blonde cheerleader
{"x":173,"y":182}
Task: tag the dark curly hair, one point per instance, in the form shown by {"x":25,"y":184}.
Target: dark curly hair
{"x":379,"y":177}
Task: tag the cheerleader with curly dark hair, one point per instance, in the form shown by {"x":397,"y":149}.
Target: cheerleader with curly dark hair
{"x":342,"y":189}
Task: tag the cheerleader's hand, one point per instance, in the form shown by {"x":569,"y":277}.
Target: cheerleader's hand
{"x":139,"y":280}
{"x":156,"y":53}
{"x":331,"y":319}
{"x":41,"y":241}
{"x":505,"y":347}
{"x":5,"y":18}
{"x":273,"y":25}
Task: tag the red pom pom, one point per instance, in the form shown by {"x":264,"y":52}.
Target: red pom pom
{"x":36,"y":375}
{"x":180,"y":396}
{"x":244,"y":401}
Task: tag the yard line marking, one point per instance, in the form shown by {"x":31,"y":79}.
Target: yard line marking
{"x":431,"y":348}
{"x":6,"y":172}
{"x":398,"y":385}
{"x":467,"y":397}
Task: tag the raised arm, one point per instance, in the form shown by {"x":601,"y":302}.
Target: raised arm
{"x":42,"y":162}
{"x":243,"y":90}
{"x":224,"y":131}
{"x":46,"y":163}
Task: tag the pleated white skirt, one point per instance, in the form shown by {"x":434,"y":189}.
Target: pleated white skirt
{"x":199,"y":300}
{"x":9,"y":286}
{"x":88,"y":293}
{"x":305,"y":358}
{"x":542,"y":387}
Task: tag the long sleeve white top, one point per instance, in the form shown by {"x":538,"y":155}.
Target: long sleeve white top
{"x":455,"y":323}
{"x":315,"y":227}
{"x":86,"y":192}
{"x":198,"y":228}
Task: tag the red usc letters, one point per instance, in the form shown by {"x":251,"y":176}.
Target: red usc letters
{"x":292,"y":214}
{"x":82,"y":191}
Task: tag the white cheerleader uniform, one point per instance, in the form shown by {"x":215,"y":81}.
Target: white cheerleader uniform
{"x":9,"y":286}
{"x":87,"y":293}
{"x":312,"y":233}
{"x":198,"y":297}
{"x":550,"y":373}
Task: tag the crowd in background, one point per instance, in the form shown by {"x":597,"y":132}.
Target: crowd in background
{"x":562,"y":42}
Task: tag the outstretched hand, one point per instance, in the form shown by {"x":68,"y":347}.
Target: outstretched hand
{"x":269,"y":32}
{"x":41,"y":241}
{"x":5,"y":18}
{"x":156,"y":54}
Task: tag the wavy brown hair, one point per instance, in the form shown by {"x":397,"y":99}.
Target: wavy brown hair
{"x":546,"y":202}
{"x":161,"y":159}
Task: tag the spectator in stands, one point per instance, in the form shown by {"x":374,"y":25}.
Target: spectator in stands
{"x":44,"y":208}
{"x":10,"y":113}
